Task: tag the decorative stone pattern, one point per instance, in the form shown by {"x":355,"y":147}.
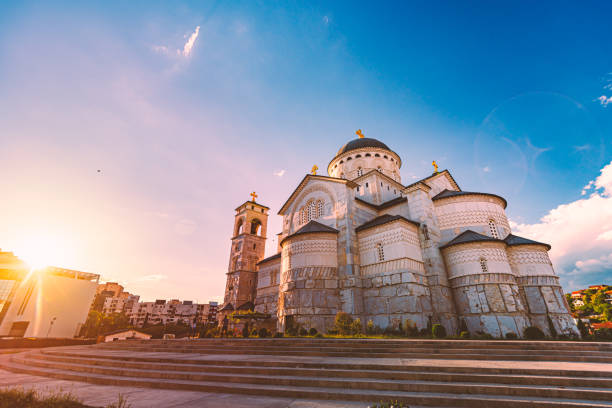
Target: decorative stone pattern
{"x":460,"y":213}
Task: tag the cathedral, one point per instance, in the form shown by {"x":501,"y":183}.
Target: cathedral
{"x":360,"y":241}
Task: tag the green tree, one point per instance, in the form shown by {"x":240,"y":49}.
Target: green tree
{"x":343,"y":323}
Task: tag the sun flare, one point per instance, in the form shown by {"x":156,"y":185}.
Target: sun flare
{"x":42,"y":249}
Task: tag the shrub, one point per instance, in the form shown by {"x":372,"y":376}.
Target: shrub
{"x":292,"y":331}
{"x":254,"y":332}
{"x":245,"y":331}
{"x":390,"y":404}
{"x":534,"y":333}
{"x":424,"y":332}
{"x":319,"y":335}
{"x":603,"y":334}
{"x":263,"y":332}
{"x":410,"y":329}
{"x":370,"y":327}
{"x":303,"y":331}
{"x":463,"y":326}
{"x":464,"y":334}
{"x":438,"y":331}
{"x":484,"y":336}
{"x":279,"y":334}
{"x":511,"y":336}
{"x":312,"y":331}
{"x":343,"y":323}
{"x":584,"y":331}
{"x":356,"y":327}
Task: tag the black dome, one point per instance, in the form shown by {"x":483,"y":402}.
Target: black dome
{"x":360,"y":143}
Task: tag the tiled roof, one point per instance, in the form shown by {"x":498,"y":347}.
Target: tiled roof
{"x":229,"y":306}
{"x":449,"y":193}
{"x":311,"y":227}
{"x":470,"y":236}
{"x":516,"y":240}
{"x":361,"y":143}
{"x":386,"y":204}
{"x":383,"y":219}
{"x":275,"y":256}
{"x":246,"y":306}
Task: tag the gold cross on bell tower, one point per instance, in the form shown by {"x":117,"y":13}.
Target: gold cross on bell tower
{"x":433,"y":163}
{"x":253,"y":195}
{"x":314,"y":170}
{"x":359,"y":133}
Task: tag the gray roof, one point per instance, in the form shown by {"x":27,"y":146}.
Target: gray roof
{"x":450,"y":193}
{"x":246,"y":306}
{"x":383,"y":219}
{"x":516,"y":240}
{"x":386,"y":204}
{"x":229,"y":306}
{"x":470,"y":236}
{"x":311,"y":227}
{"x":361,"y":143}
{"x":275,"y":256}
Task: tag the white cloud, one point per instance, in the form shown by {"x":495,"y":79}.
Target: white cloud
{"x":279,"y":173}
{"x":486,"y":169}
{"x":190,"y":43}
{"x":326,"y":20}
{"x":156,"y":277}
{"x":160,"y":49}
{"x":604,"y":100}
{"x":580,"y":232}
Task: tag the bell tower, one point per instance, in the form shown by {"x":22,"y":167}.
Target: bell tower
{"x":248,"y":248}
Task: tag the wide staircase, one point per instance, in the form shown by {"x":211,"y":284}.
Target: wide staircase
{"x":442,"y":373}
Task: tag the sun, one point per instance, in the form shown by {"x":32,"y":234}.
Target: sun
{"x":42,"y":249}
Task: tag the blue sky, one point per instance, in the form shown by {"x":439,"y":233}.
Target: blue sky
{"x":505,"y":95}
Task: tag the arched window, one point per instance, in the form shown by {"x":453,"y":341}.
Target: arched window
{"x":381,"y":252}
{"x":319,"y":209}
{"x":483,"y":265}
{"x":368,"y":155}
{"x":425,"y":232}
{"x":385,"y":156}
{"x":309,"y":211}
{"x":239,"y":227}
{"x":358,"y":156}
{"x":377,"y":155}
{"x":255,"y":226}
{"x":349,"y":158}
{"x":493,"y":229}
{"x":359,"y":172}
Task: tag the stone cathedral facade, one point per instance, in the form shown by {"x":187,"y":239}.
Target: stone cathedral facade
{"x":360,"y":241}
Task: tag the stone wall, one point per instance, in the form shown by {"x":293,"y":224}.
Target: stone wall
{"x":309,"y":293}
{"x":268,"y":282}
{"x":485,"y":289}
{"x":395,"y":288}
{"x":541,"y":289}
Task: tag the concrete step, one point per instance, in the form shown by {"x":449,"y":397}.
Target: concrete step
{"x":264,"y":361}
{"x":587,"y":393}
{"x":380,"y":373}
{"x":476,"y":354}
{"x":292,"y":391}
{"x":372,"y":344}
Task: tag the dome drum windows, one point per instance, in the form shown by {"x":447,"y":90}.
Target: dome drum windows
{"x":359,"y":172}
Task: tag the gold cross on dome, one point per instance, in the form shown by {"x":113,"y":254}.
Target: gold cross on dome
{"x":314,"y":170}
{"x":359,"y":133}
{"x":433,"y":163}
{"x":253,"y":195}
